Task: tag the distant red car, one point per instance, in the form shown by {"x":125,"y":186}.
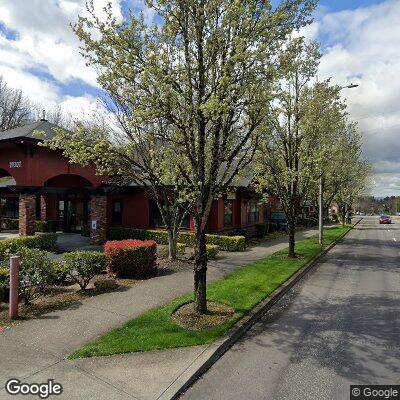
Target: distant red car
{"x":385,"y":219}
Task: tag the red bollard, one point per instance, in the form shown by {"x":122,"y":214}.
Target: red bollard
{"x":14,"y":284}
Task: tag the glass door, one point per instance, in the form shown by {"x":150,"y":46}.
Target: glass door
{"x":73,"y":214}
{"x":79,"y":215}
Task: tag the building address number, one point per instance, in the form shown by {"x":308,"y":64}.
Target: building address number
{"x":15,"y":164}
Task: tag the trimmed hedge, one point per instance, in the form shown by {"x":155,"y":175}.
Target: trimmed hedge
{"x":9,"y":224}
{"x":227,"y":243}
{"x":212,"y":251}
{"x":131,"y":258}
{"x":264,"y":229}
{"x":261,"y":230}
{"x":46,"y":226}
{"x":308,"y":222}
{"x":46,"y":241}
{"x":180,"y":248}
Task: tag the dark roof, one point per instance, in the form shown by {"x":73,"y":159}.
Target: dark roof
{"x":26,"y":131}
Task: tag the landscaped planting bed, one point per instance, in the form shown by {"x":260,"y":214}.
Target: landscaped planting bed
{"x":49,"y":284}
{"x":227,"y":243}
{"x":9,"y":224}
{"x":242,"y":290}
{"x":58,"y":296}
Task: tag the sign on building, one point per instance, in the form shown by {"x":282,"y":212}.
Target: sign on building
{"x":16,"y":164}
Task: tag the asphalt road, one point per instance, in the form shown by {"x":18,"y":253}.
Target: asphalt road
{"x":340,"y":326}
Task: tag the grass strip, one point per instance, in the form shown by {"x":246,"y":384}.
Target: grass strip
{"x":242,"y":290}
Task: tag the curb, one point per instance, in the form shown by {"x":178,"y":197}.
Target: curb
{"x":255,"y":315}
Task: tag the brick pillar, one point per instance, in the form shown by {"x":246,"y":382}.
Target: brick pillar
{"x":98,"y":216}
{"x":43,"y":208}
{"x":27,"y":214}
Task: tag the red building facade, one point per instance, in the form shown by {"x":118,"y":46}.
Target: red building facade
{"x":40,"y":184}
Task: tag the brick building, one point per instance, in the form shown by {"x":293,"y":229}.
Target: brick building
{"x":37,"y":183}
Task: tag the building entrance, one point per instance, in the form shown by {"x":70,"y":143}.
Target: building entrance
{"x":72,"y":214}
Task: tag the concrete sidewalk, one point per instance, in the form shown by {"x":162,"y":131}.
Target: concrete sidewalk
{"x":35,"y":350}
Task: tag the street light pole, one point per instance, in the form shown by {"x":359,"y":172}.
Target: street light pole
{"x":321,"y":189}
{"x":321,"y":209}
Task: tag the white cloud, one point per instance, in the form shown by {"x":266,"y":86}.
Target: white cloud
{"x":362,"y":46}
{"x":82,"y":107}
{"x":33,"y":87}
{"x":43,"y":44}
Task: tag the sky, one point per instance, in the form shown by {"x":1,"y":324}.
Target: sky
{"x":360,"y":41}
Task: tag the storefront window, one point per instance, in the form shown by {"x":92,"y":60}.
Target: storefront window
{"x":117,"y":212}
{"x":252,"y":211}
{"x":228,"y":213}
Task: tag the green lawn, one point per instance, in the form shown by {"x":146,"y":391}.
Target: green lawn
{"x":242,"y":290}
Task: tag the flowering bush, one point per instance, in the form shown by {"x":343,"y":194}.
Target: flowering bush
{"x":131,"y":258}
{"x":37,"y":270}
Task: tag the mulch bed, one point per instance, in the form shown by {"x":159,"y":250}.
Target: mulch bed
{"x":217,"y":314}
{"x":58,"y":297}
{"x":66,"y":295}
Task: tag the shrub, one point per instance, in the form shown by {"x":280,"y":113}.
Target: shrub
{"x":261,"y":230}
{"x":46,"y":226}
{"x":4,"y":284}
{"x":228,"y":243}
{"x":212,"y":251}
{"x":61,"y":273}
{"x":82,"y":266}
{"x":10,"y":224}
{"x":85,"y":230}
{"x":131,"y":258}
{"x":335,"y":217}
{"x":37,"y":270}
{"x":4,"y":276}
{"x":272,"y":227}
{"x":44,"y":241}
{"x":308,"y":222}
{"x":180,"y":248}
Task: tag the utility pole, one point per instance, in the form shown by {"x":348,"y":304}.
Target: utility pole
{"x":321,"y":188}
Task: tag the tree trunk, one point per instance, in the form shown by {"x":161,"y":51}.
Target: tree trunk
{"x":172,"y":241}
{"x":292,"y":239}
{"x":343,"y":216}
{"x":200,"y":273}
